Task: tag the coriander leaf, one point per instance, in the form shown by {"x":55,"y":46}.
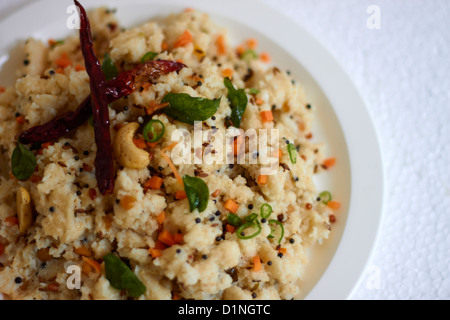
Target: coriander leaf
{"x":187,"y":109}
{"x":121,"y":277}
{"x":109,"y":68}
{"x":23,"y":162}
{"x":197,"y":193}
{"x":149,"y":56}
{"x":238,"y":102}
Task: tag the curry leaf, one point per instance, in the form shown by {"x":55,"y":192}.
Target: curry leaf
{"x":238,"y":102}
{"x":121,"y":277}
{"x":109,"y":68}
{"x":197,"y":193}
{"x":23,"y":162}
{"x":187,"y":109}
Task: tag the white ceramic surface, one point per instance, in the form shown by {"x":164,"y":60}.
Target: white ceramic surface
{"x":342,"y":120}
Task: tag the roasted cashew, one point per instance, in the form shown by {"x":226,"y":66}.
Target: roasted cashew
{"x":24,"y":212}
{"x":126,"y":151}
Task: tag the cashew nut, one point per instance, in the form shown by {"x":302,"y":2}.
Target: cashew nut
{"x":24,"y":212}
{"x":126,"y":151}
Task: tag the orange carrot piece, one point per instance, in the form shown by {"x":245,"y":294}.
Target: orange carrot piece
{"x":63,"y":61}
{"x":231,"y":206}
{"x":155,"y":253}
{"x":154,"y":183}
{"x":333,"y":205}
{"x":230,"y":228}
{"x":259,"y":102}
{"x":12,"y":221}
{"x":140,"y":143}
{"x":238,"y":141}
{"x":227,"y":72}
{"x":282,"y":250}
{"x":240,"y":50}
{"x":127,"y":202}
{"x":20,"y":119}
{"x":46,"y":145}
{"x":261,"y":180}
{"x":53,"y":287}
{"x":178,"y":238}
{"x":82,"y":251}
{"x":161,"y":217}
{"x":166,"y":237}
{"x":79,"y":67}
{"x":164,"y":46}
{"x":215,"y":193}
{"x":265,"y":57}
{"x":266,"y":116}
{"x":221,"y":48}
{"x":257,"y":263}
{"x":280,"y":153}
{"x":180,"y":195}
{"x":159,"y":245}
{"x":60,"y":70}
{"x":94,"y":264}
{"x":2,"y":89}
{"x":328,"y":163}
{"x":252,"y":43}
{"x":151,"y":145}
{"x":183,"y":40}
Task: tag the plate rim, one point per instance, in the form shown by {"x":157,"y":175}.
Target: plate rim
{"x":313,"y":50}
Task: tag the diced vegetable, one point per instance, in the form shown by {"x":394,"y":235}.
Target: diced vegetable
{"x":180,"y":195}
{"x":257,"y":263}
{"x":333,"y":205}
{"x":231,"y":206}
{"x":154,"y":183}
{"x":166,"y":237}
{"x":266,"y":116}
{"x":220,"y":42}
{"x":262,"y":179}
{"x":155,"y":253}
{"x":227,"y":73}
{"x":328,"y":163}
{"x":183,"y":40}
{"x":161,"y":217}
{"x":94,"y":264}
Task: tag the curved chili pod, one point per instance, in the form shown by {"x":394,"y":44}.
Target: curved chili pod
{"x":119,"y":87}
{"x":104,"y":161}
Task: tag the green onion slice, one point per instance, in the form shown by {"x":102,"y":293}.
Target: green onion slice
{"x":325,"y":197}
{"x":241,"y":234}
{"x":281,"y":228}
{"x":292,"y":153}
{"x":266,"y":210}
{"x":150,"y":128}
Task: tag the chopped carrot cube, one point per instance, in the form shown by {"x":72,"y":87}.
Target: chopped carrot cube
{"x":221,"y":48}
{"x":261,"y":180}
{"x":166,"y":237}
{"x":259,"y":102}
{"x":154,"y":183}
{"x":252,"y":43}
{"x":155,"y":253}
{"x":178,"y":238}
{"x":79,"y":68}
{"x":82,"y":251}
{"x":265,"y":57}
{"x":266,"y":116}
{"x":127,"y":202}
{"x":282,"y":250}
{"x":183,"y":40}
{"x":180,"y":195}
{"x":257,"y":263}
{"x":63,"y":61}
{"x":333,"y":205}
{"x":12,"y":221}
{"x":152,"y":144}
{"x":215,"y":193}
{"x":164,"y":46}
{"x":280,"y":153}
{"x":329,"y":162}
{"x":227,"y":72}
{"x":159,"y":245}
{"x":230,"y":228}
{"x":231,"y":206}
{"x":161,"y":217}
{"x":140,"y":143}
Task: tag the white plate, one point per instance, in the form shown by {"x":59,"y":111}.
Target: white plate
{"x":341,"y":117}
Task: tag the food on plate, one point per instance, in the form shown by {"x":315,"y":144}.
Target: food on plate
{"x":89,"y":187}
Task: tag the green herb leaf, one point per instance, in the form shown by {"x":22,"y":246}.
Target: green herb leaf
{"x":23,"y":162}
{"x":234,"y":220}
{"x":150,"y":128}
{"x":121,"y":277}
{"x":109,"y":68}
{"x":149,"y":56}
{"x":292,"y":153}
{"x":187,"y":109}
{"x":238,"y":102}
{"x":197,"y":193}
{"x":241,"y":234}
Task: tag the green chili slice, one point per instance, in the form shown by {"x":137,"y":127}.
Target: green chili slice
{"x":150,"y":128}
{"x":292,"y":153}
{"x":234,"y":220}
{"x":249,"y":55}
{"x":266,"y":210}
{"x":149,"y":56}
{"x":251,"y":217}
{"x":241,"y":234}
{"x":325,"y":197}
{"x":281,"y":227}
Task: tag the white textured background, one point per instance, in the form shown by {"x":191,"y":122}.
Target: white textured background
{"x":402,"y":72}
